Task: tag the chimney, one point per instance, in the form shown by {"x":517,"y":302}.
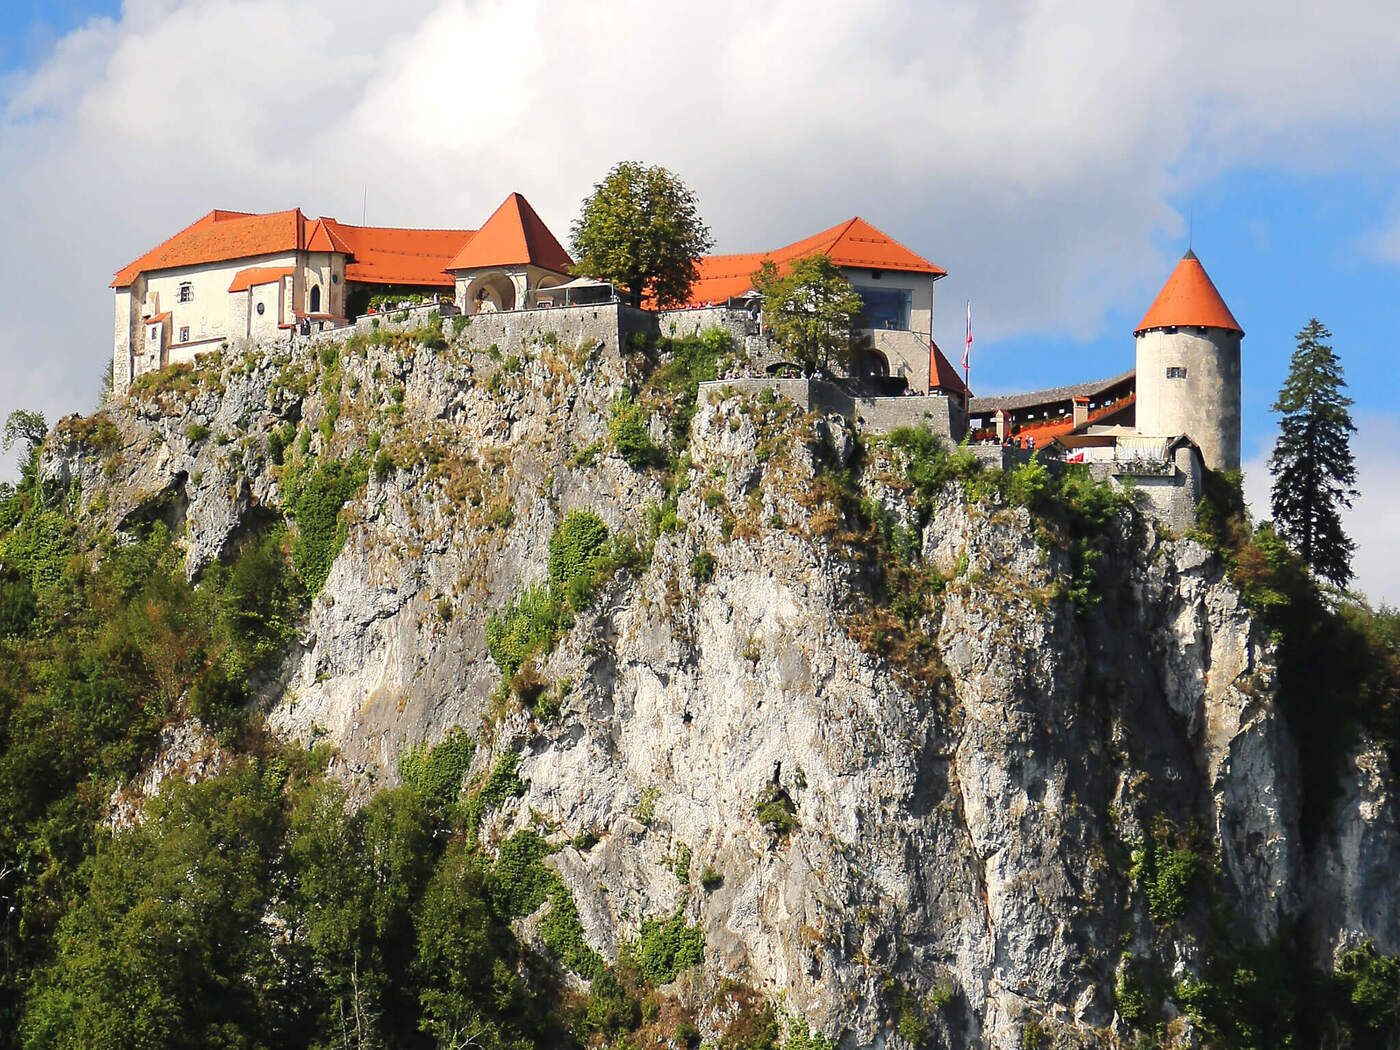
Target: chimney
{"x":1081,"y":411}
{"x":1001,"y":425}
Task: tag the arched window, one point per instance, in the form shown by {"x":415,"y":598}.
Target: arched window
{"x":315,"y":304}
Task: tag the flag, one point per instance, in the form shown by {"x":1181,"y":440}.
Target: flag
{"x":967,"y":346}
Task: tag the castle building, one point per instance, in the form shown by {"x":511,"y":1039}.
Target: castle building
{"x":1175,"y":414}
{"x":240,"y":277}
{"x":1188,"y":366}
{"x":894,"y":283}
{"x":235,"y":277}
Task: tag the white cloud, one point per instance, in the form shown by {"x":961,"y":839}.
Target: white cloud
{"x":1030,"y":146}
{"x":1373,"y":521}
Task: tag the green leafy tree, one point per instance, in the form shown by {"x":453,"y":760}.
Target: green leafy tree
{"x":166,"y":945}
{"x":811,"y":310}
{"x":30,"y":429}
{"x":641,"y":229}
{"x":1314,"y":473}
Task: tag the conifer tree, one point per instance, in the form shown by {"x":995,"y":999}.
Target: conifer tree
{"x":1314,"y":473}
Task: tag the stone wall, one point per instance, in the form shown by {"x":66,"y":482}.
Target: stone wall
{"x":1171,"y":496}
{"x":875,"y":415}
{"x":677,"y":324}
{"x":611,"y":324}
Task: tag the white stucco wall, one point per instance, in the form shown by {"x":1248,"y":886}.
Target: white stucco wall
{"x":215,"y":314}
{"x":273,"y":300}
{"x":206,"y":315}
{"x":122,"y":322}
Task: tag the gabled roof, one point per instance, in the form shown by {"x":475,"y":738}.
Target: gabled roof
{"x":514,"y":235}
{"x":323,"y":237}
{"x":1094,"y":388}
{"x":1049,"y":430}
{"x":375,"y":254}
{"x":219,"y":236}
{"x":1189,"y":299}
{"x":256,"y":275}
{"x":853,"y":243}
{"x":944,"y":376}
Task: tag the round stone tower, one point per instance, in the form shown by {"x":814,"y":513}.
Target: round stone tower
{"x":1188,"y":366}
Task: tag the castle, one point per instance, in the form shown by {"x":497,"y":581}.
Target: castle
{"x":235,"y":277}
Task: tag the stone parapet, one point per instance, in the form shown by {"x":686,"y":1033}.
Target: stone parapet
{"x":611,"y":324}
{"x":875,"y":415}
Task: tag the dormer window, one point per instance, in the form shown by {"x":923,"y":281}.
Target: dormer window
{"x":186,"y":292}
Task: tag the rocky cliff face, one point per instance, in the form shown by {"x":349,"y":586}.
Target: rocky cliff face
{"x":958,"y":866}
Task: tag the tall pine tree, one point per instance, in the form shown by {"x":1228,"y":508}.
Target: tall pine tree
{"x":1314,"y":473}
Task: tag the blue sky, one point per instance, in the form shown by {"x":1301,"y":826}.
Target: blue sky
{"x":33,"y":27}
{"x":1048,"y":157}
{"x":1281,"y":248}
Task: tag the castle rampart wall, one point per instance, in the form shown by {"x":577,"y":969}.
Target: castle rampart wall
{"x":875,"y":415}
{"x":612,"y":324}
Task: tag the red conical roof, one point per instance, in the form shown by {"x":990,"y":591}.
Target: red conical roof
{"x":1189,"y":300}
{"x":513,"y":236}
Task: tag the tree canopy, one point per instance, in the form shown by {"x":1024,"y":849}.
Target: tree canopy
{"x":811,"y":310}
{"x":641,"y":229}
{"x":1312,"y":465}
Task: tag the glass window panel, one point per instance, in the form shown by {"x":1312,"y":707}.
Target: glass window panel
{"x":885,"y":308}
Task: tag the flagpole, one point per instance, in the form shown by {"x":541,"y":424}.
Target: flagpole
{"x":967,"y":367}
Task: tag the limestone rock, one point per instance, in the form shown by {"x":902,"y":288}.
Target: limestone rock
{"x":966,"y":836}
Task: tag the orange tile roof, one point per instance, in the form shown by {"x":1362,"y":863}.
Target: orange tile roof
{"x":394,"y":255}
{"x":255,"y":275}
{"x":376,"y":254}
{"x":1189,"y":299}
{"x":1044,"y":433}
{"x":853,"y":243}
{"x":514,"y":235}
{"x":944,"y":376}
{"x":158,"y":318}
{"x":322,"y":238}
{"x":219,"y":236}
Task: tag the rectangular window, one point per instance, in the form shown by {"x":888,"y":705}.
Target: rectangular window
{"x":155,"y":331}
{"x":186,"y":292}
{"x":1176,"y":371}
{"x":885,"y":308}
{"x":185,"y":334}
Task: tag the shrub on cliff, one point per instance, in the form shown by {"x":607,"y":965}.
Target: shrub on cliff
{"x":316,"y":494}
{"x":664,"y":948}
{"x":575,"y":541}
{"x":436,"y":773}
{"x":526,"y":626}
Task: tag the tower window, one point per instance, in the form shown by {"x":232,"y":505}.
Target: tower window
{"x":185,"y":334}
{"x":186,"y":292}
{"x":884,"y":308}
{"x":1176,"y":371}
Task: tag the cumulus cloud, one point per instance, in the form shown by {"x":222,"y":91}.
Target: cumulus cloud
{"x":1029,"y":146}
